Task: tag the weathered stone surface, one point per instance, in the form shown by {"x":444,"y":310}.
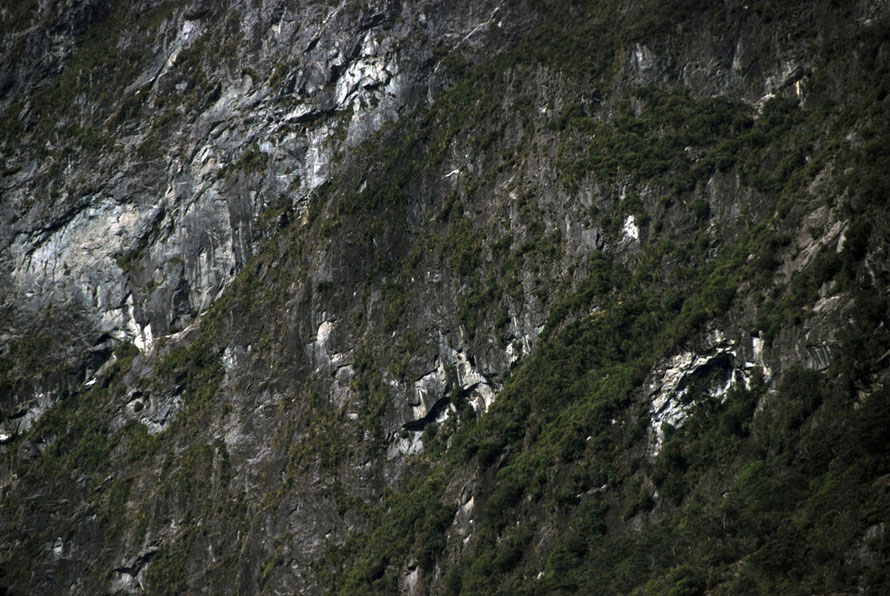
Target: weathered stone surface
{"x":251,"y":156}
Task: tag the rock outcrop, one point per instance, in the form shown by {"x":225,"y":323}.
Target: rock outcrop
{"x":373,"y":297}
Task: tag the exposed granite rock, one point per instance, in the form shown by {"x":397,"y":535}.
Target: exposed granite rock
{"x":224,"y":270}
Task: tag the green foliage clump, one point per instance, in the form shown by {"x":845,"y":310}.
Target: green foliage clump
{"x":253,"y":160}
{"x":196,"y":371}
{"x":667,"y":135}
{"x":414,"y":523}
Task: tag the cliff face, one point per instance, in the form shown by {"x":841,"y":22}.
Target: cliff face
{"x":433,"y":298}
{"x":143,"y":142}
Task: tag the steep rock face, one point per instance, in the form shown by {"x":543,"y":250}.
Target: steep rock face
{"x":372,"y":297}
{"x":210,"y":117}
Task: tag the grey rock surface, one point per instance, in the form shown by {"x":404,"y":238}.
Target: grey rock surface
{"x":216,"y":257}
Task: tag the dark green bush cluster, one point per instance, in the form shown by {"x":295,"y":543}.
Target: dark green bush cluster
{"x":415,"y":523}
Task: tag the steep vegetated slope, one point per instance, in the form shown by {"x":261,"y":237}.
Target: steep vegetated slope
{"x":533,"y":297}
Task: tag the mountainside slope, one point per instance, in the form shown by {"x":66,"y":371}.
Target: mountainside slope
{"x":533,"y":297}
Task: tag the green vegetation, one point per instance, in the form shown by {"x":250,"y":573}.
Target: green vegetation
{"x":782,"y":467}
{"x":779,"y":485}
{"x":413,"y":522}
{"x":665,"y":134}
{"x":76,"y":431}
{"x":737,"y":500}
{"x":98,"y":63}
